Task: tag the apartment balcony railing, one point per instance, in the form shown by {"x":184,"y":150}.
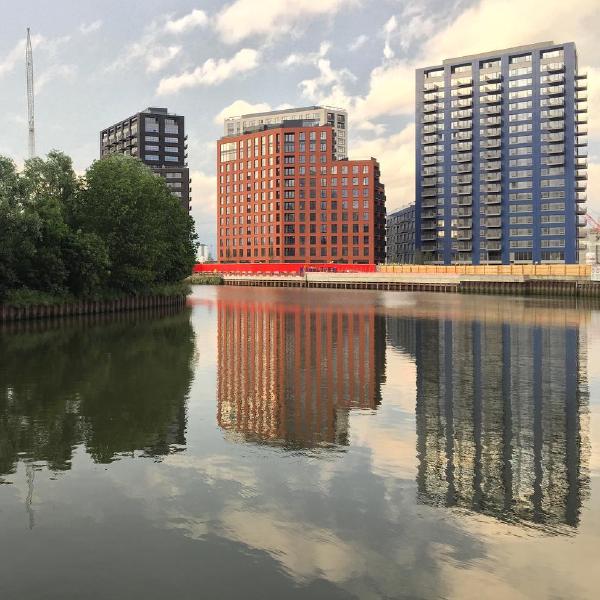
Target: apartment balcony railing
{"x":553,"y":90}
{"x":464,"y":246}
{"x":429,"y":193}
{"x":554,"y":160}
{"x":491,"y":177}
{"x":553,"y":126}
{"x":491,"y":121}
{"x":581,"y":174}
{"x":581,"y":140}
{"x":491,"y":132}
{"x":491,"y":166}
{"x":491,"y":99}
{"x":430,"y":108}
{"x":491,"y":88}
{"x":464,"y":201}
{"x":464,"y":235}
{"x":493,"y":234}
{"x":552,"y":67}
{"x":465,"y":212}
{"x":490,"y":110}
{"x":493,"y":211}
{"x":428,"y":225}
{"x":462,"y":168}
{"x":581,"y":163}
{"x":491,"y":199}
{"x":429,"y":182}
{"x":429,"y":237}
{"x":490,"y":77}
{"x":462,"y":81}
{"x":464,"y":92}
{"x":581,"y":106}
{"x":429,"y":129}
{"x":549,"y":79}
{"x":429,"y":202}
{"x":491,"y":155}
{"x":462,"y":135}
{"x":491,"y":143}
{"x":580,"y":197}
{"x":464,"y":157}
{"x":580,"y":185}
{"x":431,"y":97}
{"x":493,"y":222}
{"x":493,"y":246}
{"x":464,"y":223}
{"x":462,"y":103}
{"x":553,"y":149}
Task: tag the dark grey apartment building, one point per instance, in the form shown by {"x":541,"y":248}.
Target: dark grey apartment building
{"x":158,"y":139}
{"x":400,"y":235}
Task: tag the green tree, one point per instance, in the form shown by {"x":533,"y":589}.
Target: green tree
{"x":149,"y":239}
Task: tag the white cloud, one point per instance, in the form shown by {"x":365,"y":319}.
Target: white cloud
{"x":212,"y":72}
{"x":240,"y":107}
{"x":396,"y":156}
{"x":329,"y":83}
{"x":197,"y":18}
{"x":308,"y":58}
{"x":357,"y":43}
{"x":271,"y":18}
{"x":204,"y":205}
{"x":55,"y":72}
{"x":388,"y":30}
{"x":87,"y":28}
{"x":16,"y":56}
{"x":160,"y":58}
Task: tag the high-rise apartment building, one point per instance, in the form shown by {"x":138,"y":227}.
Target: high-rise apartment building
{"x":158,"y":139}
{"x":501,"y":157}
{"x":400,"y":236}
{"x":320,"y":115}
{"x":283,"y":197}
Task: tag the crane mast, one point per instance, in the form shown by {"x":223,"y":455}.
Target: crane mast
{"x":30,"y":103}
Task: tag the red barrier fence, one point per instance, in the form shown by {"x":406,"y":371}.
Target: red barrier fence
{"x":280,"y":268}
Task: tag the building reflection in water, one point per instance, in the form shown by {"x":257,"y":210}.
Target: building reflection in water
{"x":289,"y":373}
{"x":501,"y":414}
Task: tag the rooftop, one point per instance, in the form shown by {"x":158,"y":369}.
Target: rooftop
{"x":285,"y":111}
{"x":495,"y":53}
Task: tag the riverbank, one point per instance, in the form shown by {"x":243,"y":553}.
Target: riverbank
{"x":33,"y":307}
{"x":518,"y":285}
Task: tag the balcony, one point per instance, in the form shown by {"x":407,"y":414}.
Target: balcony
{"x":429,"y":237}
{"x":431,"y":97}
{"x":553,"y":126}
{"x":580,"y":185}
{"x":490,"y":110}
{"x":493,"y":211}
{"x":581,"y":210}
{"x":430,"y":160}
{"x":433,"y":118}
{"x":553,"y":138}
{"x":490,"y":77}
{"x":430,"y":139}
{"x":493,"y":246}
{"x":463,"y":158}
{"x":554,"y":160}
{"x":553,"y":149}
{"x":462,"y":147}
{"x":462,"y":124}
{"x":493,"y":222}
{"x":465,"y":201}
{"x":430,"y":87}
{"x":465,"y":212}
{"x":581,"y":163}
{"x":491,"y":132}
{"x":464,"y":223}
{"x":581,"y":107}
{"x":581,"y":221}
{"x":550,"y":79}
{"x":491,"y":122}
{"x":429,"y":203}
{"x":429,"y":129}
{"x":492,"y":143}
{"x":581,"y":96}
{"x":557,"y":113}
{"x":429,"y":193}
{"x":464,"y":235}
{"x":430,"y":108}
{"x":462,"y":135}
{"x":554,"y":102}
{"x":463,"y":168}
{"x":464,"y":92}
{"x":462,"y":81}
{"x":553,"y":90}
{"x":581,"y":140}
{"x":491,"y":88}
{"x":553,"y":67}
{"x":491,"y":99}
{"x":464,"y":246}
{"x":493,"y":234}
{"x":491,"y":155}
{"x":462,"y":179}
{"x":429,"y":214}
{"x":429,"y":182}
{"x":430,"y":150}
{"x":463,"y":103}
{"x":580,"y":197}
{"x":581,"y":174}
{"x":581,"y":129}
{"x":429,"y":225}
{"x":491,"y":166}
{"x":491,"y":177}
{"x":492,"y":199}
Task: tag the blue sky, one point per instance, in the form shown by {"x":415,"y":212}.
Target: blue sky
{"x":97,"y":62}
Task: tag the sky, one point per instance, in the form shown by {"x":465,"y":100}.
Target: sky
{"x":99,"y":62}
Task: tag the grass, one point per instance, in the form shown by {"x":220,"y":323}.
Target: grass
{"x":198,"y":279}
{"x":26,"y":297}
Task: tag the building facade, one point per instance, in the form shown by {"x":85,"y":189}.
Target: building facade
{"x":158,"y":139}
{"x":283,"y":197}
{"x":319,"y":115}
{"x":501,"y":157}
{"x":400,"y":236}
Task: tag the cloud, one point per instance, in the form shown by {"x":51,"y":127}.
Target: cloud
{"x":204,"y":205}
{"x":16,"y":56}
{"x":271,"y":18}
{"x":396,"y":155}
{"x":54,"y":72}
{"x":160,"y":58}
{"x":240,"y":107}
{"x":87,"y":28}
{"x":329,"y":82}
{"x":197,"y":18}
{"x":357,"y":43}
{"x":308,"y":58}
{"x":212,"y":72}
{"x":388,"y":29}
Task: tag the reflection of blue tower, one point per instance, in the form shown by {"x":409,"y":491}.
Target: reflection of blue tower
{"x":498,"y":419}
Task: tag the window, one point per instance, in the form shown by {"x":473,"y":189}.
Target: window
{"x":150,"y":157}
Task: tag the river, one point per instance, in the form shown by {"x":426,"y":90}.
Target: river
{"x":289,"y":443}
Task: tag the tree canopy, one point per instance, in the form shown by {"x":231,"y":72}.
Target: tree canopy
{"x":117,"y":229}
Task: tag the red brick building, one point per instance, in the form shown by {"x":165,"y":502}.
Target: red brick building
{"x":283,"y":198}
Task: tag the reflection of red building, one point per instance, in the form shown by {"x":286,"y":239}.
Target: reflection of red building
{"x":289,"y":372}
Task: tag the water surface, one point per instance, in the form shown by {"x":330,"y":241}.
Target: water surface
{"x":268,"y":443}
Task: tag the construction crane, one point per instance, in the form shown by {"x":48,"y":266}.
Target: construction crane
{"x":30,"y":104}
{"x":592,"y":223}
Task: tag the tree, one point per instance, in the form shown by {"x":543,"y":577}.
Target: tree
{"x":149,"y":239}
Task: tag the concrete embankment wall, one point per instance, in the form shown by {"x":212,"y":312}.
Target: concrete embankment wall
{"x":416,"y":282}
{"x":87,"y":307}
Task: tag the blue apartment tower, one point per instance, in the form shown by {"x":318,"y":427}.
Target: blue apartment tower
{"x":501,"y":157}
